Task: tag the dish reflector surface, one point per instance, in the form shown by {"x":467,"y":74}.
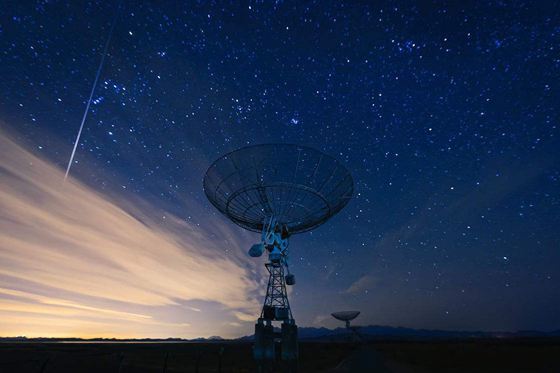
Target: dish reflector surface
{"x":300,"y":186}
{"x":345,"y":315}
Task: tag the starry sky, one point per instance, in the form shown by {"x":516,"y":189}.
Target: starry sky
{"x":446,"y":115}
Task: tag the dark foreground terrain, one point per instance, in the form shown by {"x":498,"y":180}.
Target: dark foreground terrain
{"x":522,"y":355}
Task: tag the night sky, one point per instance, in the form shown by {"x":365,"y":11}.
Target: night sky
{"x":445,"y":114}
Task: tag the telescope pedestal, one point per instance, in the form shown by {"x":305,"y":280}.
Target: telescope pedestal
{"x":289,"y":347}
{"x":276,"y":308}
{"x":265,"y":347}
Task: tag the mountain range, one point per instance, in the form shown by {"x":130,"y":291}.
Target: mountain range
{"x":370,"y":332}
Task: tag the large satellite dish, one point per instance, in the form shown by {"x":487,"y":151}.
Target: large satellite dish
{"x":300,"y":186}
{"x":277,"y":190}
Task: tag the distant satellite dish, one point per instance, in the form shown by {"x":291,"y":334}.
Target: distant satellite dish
{"x":346,"y":316}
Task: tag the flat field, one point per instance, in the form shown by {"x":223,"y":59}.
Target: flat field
{"x":382,"y":356}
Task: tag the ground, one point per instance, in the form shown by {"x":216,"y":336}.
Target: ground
{"x":395,"y":356}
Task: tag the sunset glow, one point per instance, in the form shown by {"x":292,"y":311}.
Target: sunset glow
{"x":75,"y":263}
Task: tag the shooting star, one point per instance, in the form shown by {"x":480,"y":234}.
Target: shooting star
{"x":107,"y":43}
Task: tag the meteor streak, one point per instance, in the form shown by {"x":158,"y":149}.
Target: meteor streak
{"x":107,"y":43}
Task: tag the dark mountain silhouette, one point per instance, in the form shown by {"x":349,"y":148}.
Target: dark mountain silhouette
{"x":369,"y":332}
{"x":389,"y":332}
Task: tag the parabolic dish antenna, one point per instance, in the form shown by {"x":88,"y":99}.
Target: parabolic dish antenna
{"x":345,"y":315}
{"x":277,"y":190}
{"x":299,"y":186}
{"x":348,"y":316}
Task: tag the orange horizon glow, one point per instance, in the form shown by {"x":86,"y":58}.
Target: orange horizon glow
{"x":75,"y":263}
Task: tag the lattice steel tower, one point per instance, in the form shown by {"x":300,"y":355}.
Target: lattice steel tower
{"x":276,"y":294}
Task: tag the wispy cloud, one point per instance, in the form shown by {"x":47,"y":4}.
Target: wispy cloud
{"x":73,"y":255}
{"x":364,"y":283}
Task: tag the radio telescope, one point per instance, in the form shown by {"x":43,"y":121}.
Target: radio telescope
{"x":277,"y":190}
{"x":348,"y":316}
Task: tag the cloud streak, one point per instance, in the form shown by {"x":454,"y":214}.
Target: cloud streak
{"x":72,"y":256}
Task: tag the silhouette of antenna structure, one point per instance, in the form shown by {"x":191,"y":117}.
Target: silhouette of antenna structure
{"x":277,"y":190}
{"x":348,"y":316}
